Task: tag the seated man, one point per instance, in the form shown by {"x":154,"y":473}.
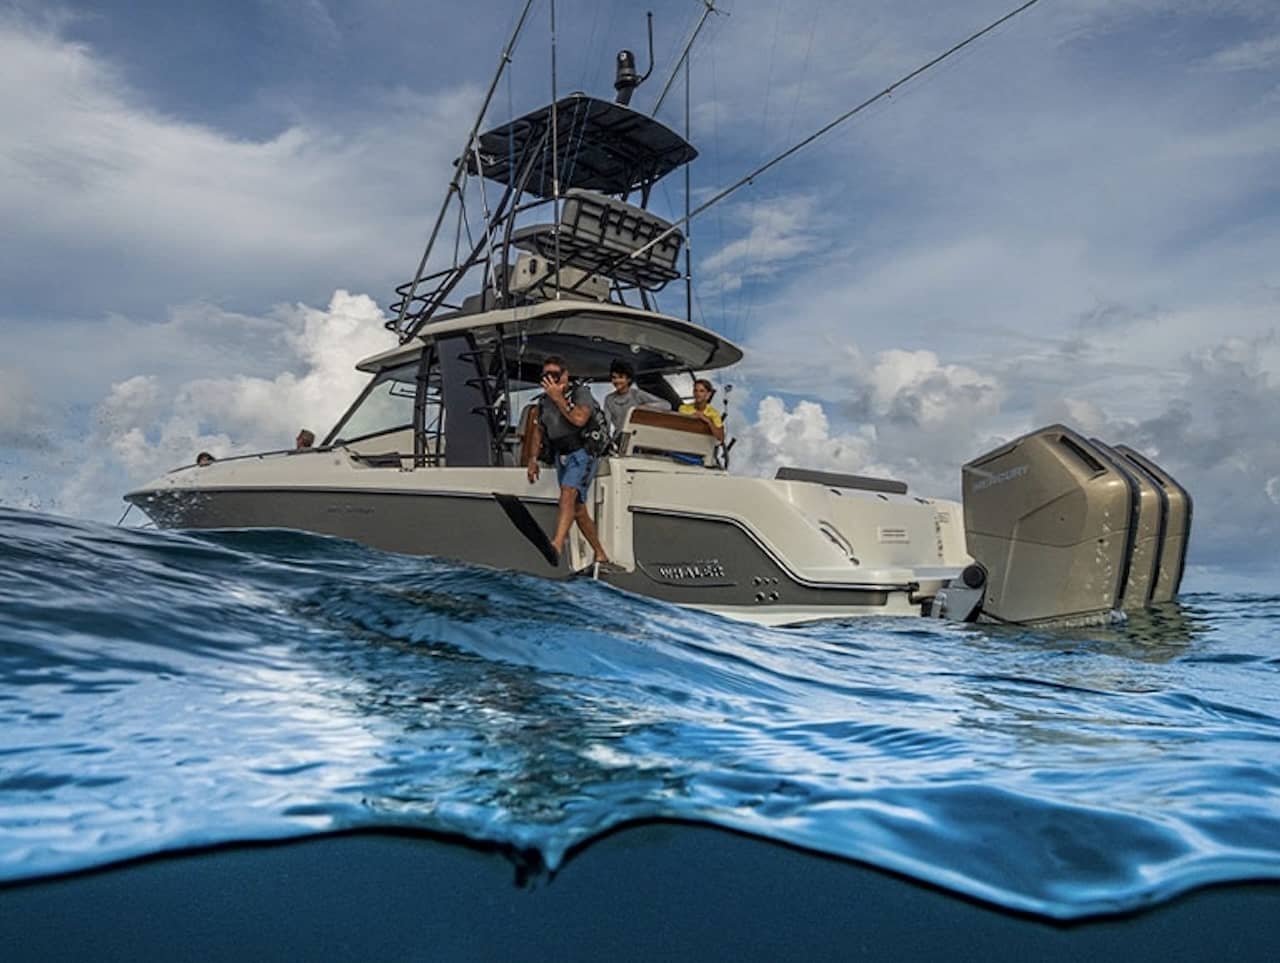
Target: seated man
{"x":626,"y":395}
{"x":703,"y":392}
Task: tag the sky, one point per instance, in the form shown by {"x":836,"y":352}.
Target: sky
{"x":205,"y":208}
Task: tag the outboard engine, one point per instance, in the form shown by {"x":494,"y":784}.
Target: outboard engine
{"x":1175,"y":532}
{"x":1069,"y":529}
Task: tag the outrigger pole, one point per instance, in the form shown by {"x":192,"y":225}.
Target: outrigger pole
{"x":460,"y":167}
{"x":688,"y":235}
{"x":709,"y":9}
{"x":555,"y":146}
{"x":835,"y":123}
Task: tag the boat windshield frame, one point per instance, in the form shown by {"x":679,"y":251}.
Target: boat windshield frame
{"x":472,"y":365}
{"x":389,"y":373}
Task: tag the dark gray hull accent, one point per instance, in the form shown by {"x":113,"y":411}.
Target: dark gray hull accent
{"x":688,"y":560}
{"x":528,"y":526}
{"x":836,"y":480}
{"x":712,"y":562}
{"x":471,"y":528}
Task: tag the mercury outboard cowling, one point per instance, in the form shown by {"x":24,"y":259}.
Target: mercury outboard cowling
{"x":1147,"y":529}
{"x":1070,"y":529}
{"x":1177,"y":525}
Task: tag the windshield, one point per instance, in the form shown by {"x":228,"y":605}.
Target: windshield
{"x":387,"y":406}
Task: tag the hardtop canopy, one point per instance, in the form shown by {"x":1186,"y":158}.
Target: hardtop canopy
{"x":589,"y":335}
{"x":600,"y":146}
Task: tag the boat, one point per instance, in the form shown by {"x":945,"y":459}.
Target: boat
{"x":430,"y":458}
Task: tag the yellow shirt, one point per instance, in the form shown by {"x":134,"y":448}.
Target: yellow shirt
{"x":708,"y":411}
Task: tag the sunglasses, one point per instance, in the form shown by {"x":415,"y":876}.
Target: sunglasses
{"x":554,"y":374}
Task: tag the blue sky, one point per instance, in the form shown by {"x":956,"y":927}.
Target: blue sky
{"x":206,"y":206}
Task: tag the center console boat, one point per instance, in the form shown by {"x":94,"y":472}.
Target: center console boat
{"x":429,"y":459}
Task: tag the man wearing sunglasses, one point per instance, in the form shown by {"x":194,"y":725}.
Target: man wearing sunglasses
{"x":561,"y":415}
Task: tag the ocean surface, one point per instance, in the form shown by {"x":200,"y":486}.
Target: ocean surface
{"x":160,"y":691}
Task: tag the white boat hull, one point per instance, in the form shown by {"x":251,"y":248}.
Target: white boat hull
{"x":761,"y":550}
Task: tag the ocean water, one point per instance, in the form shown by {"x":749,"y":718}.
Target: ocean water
{"x":160,"y":691}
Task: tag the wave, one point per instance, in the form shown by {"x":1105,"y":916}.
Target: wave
{"x":161,"y":690}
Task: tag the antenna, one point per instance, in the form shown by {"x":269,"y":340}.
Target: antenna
{"x":626,"y":79}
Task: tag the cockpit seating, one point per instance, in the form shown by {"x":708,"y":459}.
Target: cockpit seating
{"x":647,"y":431}
{"x":524,"y":431}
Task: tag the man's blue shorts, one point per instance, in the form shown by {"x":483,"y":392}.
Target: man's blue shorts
{"x":577,"y":470}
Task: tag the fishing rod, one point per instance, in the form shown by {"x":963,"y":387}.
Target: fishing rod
{"x":835,"y":123}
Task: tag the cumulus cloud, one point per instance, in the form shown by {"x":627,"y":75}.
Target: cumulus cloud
{"x":1219,"y":440}
{"x":914,"y":388}
{"x":800,"y":436}
{"x":773,"y":233}
{"x":143,"y":208}
{"x":148,"y":424}
{"x":1212,"y":429}
{"x":1262,"y":53}
{"x":906,"y":414}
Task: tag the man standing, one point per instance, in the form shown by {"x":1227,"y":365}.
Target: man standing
{"x":561,"y":414}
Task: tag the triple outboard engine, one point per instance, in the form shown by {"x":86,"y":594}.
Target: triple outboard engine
{"x":1069,"y":529}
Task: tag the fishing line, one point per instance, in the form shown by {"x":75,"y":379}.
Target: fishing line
{"x":771,"y":213}
{"x":590,"y":47}
{"x":717,"y":153}
{"x":641,"y":251}
{"x":746,"y":289}
{"x":709,"y":7}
